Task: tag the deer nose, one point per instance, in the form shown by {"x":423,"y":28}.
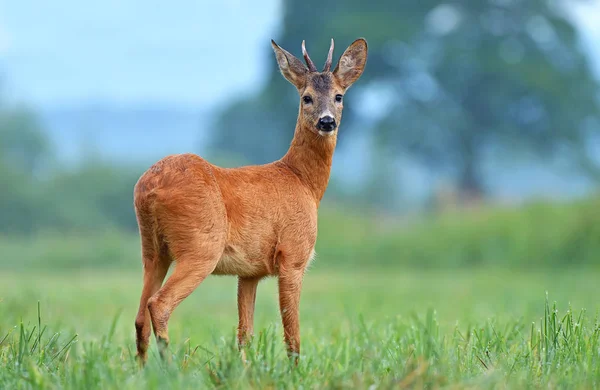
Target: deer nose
{"x":326,"y":123}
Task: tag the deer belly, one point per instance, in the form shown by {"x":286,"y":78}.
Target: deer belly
{"x":236,"y":262}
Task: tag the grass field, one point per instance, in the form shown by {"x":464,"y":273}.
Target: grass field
{"x":384,"y":328}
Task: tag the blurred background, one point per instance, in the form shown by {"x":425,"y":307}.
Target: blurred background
{"x":465,"y":181}
{"x":472,"y":138}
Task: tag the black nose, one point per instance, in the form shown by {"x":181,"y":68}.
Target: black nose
{"x":326,"y":123}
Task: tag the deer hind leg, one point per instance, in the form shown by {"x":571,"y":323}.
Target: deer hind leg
{"x":156,"y":264}
{"x":195,"y":260}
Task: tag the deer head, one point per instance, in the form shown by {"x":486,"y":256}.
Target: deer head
{"x":322,"y":93}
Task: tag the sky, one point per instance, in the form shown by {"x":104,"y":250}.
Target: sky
{"x":587,"y":15}
{"x":190,"y":53}
{"x":129,"y":52}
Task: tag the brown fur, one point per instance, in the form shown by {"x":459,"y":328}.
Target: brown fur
{"x":253,"y":221}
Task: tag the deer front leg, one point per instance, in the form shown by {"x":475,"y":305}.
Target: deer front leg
{"x":290,"y":285}
{"x":246,"y":300}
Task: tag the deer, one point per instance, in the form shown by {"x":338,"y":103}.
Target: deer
{"x":253,"y":221}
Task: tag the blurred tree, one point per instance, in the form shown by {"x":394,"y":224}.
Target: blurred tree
{"x":23,"y":150}
{"x":23,"y":145}
{"x":95,"y":196}
{"x":91,"y":197}
{"x":447,"y":81}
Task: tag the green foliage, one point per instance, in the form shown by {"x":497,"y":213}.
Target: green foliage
{"x":93,"y":198}
{"x":38,"y":195}
{"x":539,"y":235}
{"x":24,"y":154}
{"x":24,"y":147}
{"x":59,"y":252}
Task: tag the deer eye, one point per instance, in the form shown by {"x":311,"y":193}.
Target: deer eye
{"x":338,"y":98}
{"x":307,"y":99}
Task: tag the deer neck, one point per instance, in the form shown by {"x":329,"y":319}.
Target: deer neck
{"x":310,"y":156}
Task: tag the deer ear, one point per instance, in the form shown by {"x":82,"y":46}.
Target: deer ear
{"x":352,"y":63}
{"x":291,"y":68}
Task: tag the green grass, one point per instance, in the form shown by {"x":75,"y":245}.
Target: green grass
{"x":391,"y":328}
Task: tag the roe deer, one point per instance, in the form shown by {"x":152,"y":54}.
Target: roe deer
{"x":252,"y":221}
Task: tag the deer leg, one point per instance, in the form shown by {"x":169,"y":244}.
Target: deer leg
{"x":246,"y":300}
{"x":191,"y":269}
{"x":154,"y":274}
{"x":156,"y":264}
{"x":290,"y":285}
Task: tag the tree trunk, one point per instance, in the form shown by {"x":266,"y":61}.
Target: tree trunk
{"x":470,"y":184}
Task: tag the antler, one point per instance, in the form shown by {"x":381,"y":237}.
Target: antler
{"x":329,"y":58}
{"x":311,"y":65}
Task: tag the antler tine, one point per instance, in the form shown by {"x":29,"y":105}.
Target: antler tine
{"x":311,"y":65}
{"x":329,"y":58}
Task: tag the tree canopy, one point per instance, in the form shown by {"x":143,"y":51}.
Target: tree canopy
{"x":448,"y":82}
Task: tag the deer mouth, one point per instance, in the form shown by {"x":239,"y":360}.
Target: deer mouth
{"x":326,"y":133}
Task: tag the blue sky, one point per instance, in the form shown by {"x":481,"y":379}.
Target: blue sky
{"x":188,"y":52}
{"x":193,"y":53}
{"x":138,"y":51}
